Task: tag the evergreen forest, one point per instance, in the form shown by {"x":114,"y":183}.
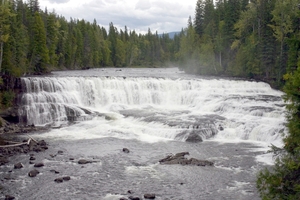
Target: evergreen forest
{"x":257,"y":39}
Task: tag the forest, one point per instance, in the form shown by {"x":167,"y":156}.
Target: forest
{"x":255,"y":39}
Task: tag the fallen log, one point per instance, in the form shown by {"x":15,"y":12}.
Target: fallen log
{"x":16,"y":144}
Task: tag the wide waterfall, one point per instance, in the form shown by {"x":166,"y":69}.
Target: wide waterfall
{"x":180,"y":107}
{"x":95,"y":114}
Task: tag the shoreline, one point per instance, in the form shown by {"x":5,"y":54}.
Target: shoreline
{"x":12,"y":144}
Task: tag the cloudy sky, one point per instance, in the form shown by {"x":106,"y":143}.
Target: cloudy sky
{"x":162,"y":16}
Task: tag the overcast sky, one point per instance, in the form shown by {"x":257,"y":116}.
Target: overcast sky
{"x":162,"y":16}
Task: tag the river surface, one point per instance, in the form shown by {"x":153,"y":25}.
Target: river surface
{"x":152,"y":112}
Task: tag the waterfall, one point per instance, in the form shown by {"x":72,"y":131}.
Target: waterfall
{"x":251,"y":110}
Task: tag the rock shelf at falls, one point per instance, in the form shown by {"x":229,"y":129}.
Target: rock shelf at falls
{"x":154,"y":113}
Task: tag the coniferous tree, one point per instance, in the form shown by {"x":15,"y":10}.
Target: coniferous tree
{"x":5,"y":14}
{"x":40,"y":53}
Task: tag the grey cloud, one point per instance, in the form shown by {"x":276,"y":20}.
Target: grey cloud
{"x":143,"y":5}
{"x":59,"y":1}
{"x":156,"y":15}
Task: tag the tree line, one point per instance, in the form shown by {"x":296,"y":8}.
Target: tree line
{"x":255,"y":39}
{"x":36,"y":41}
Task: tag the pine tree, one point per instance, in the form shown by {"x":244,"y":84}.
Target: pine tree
{"x":40,"y":56}
{"x":5,"y":14}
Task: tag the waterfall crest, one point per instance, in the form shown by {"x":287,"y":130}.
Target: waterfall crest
{"x":251,"y":110}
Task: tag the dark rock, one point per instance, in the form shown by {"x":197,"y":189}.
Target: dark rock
{"x":32,"y":158}
{"x":39,"y":165}
{"x":123,"y":198}
{"x":194,"y":137}
{"x":194,"y":161}
{"x":8,"y":197}
{"x":60,"y":152}
{"x":221,"y":127}
{"x":42,"y":143}
{"x":54,"y":171}
{"x":59,"y":180}
{"x":33,"y":173}
{"x":18,"y":165}
{"x":66,"y":178}
{"x":125,"y":150}
{"x":83,"y":161}
{"x":30,"y":162}
{"x":149,"y":196}
{"x":3,"y":160}
{"x":71,"y":159}
{"x":180,"y":159}
{"x":134,"y":198}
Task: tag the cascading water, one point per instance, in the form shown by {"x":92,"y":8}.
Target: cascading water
{"x":152,"y":112}
{"x":179,"y":107}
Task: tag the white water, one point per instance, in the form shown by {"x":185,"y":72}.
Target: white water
{"x":154,"y":109}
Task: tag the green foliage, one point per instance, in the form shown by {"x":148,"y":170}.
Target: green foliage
{"x":7,"y":98}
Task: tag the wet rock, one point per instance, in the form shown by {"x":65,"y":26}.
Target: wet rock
{"x":30,"y":162}
{"x":134,"y":198}
{"x":149,"y":196}
{"x":32,"y":158}
{"x":179,"y":158}
{"x":194,"y":137}
{"x":125,"y":150}
{"x":39,"y":165}
{"x":123,"y":198}
{"x":221,"y":127}
{"x":71,"y":158}
{"x":66,"y":178}
{"x":8,"y":197}
{"x":59,"y":180}
{"x":60,"y":152}
{"x":54,"y":171}
{"x":33,"y":173}
{"x":18,"y":165}
{"x":3,"y":160}
{"x":83,"y":161}
{"x":42,"y":143}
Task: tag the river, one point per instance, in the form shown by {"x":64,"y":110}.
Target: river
{"x":152,"y":112}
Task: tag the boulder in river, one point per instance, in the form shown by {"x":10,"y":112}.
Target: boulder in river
{"x":134,"y":198}
{"x":8,"y":197}
{"x":66,"y":178}
{"x":59,"y":180}
{"x":18,"y":165}
{"x":33,"y":173}
{"x":125,"y":150}
{"x":149,"y":196}
{"x":39,"y":165}
{"x":179,"y":158}
{"x":194,"y":137}
{"x":83,"y":161}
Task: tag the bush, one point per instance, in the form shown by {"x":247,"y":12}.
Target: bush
{"x":7,"y":99}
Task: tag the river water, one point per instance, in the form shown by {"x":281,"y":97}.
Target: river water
{"x":152,"y":112}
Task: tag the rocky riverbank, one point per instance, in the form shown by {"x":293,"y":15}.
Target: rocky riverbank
{"x":11,"y":144}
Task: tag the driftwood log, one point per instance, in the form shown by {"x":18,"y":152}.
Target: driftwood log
{"x":16,"y":144}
